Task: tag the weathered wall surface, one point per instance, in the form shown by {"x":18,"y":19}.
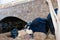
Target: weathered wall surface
{"x":27,"y":11}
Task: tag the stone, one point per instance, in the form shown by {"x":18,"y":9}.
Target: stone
{"x":39,"y":36}
{"x":50,"y":24}
{"x":50,"y":37}
{"x":21,"y":33}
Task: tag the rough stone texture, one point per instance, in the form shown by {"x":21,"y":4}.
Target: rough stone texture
{"x":39,"y":36}
{"x":50,"y":37}
{"x":27,"y":11}
{"x":7,"y":3}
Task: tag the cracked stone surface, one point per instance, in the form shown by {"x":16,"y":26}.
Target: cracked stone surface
{"x":27,"y":11}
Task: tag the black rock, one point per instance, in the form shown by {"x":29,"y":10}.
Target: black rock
{"x":1,"y":27}
{"x":49,"y":22}
{"x":39,"y":25}
{"x":4,"y":27}
{"x":10,"y":22}
{"x":14,"y":33}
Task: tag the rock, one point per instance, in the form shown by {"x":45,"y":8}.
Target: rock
{"x":10,"y":22}
{"x":21,"y":33}
{"x":14,"y":33}
{"x":39,"y":36}
{"x":4,"y":37}
{"x":50,"y":37}
{"x":39,"y":25}
{"x":29,"y":31}
{"x":27,"y":37}
{"x":49,"y":22}
{"x":24,"y":37}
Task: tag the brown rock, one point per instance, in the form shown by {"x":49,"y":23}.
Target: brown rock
{"x":21,"y":33}
{"x":39,"y":36}
{"x":50,"y":37}
{"x":3,"y":37}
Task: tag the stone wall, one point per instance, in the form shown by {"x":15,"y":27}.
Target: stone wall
{"x":27,"y":11}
